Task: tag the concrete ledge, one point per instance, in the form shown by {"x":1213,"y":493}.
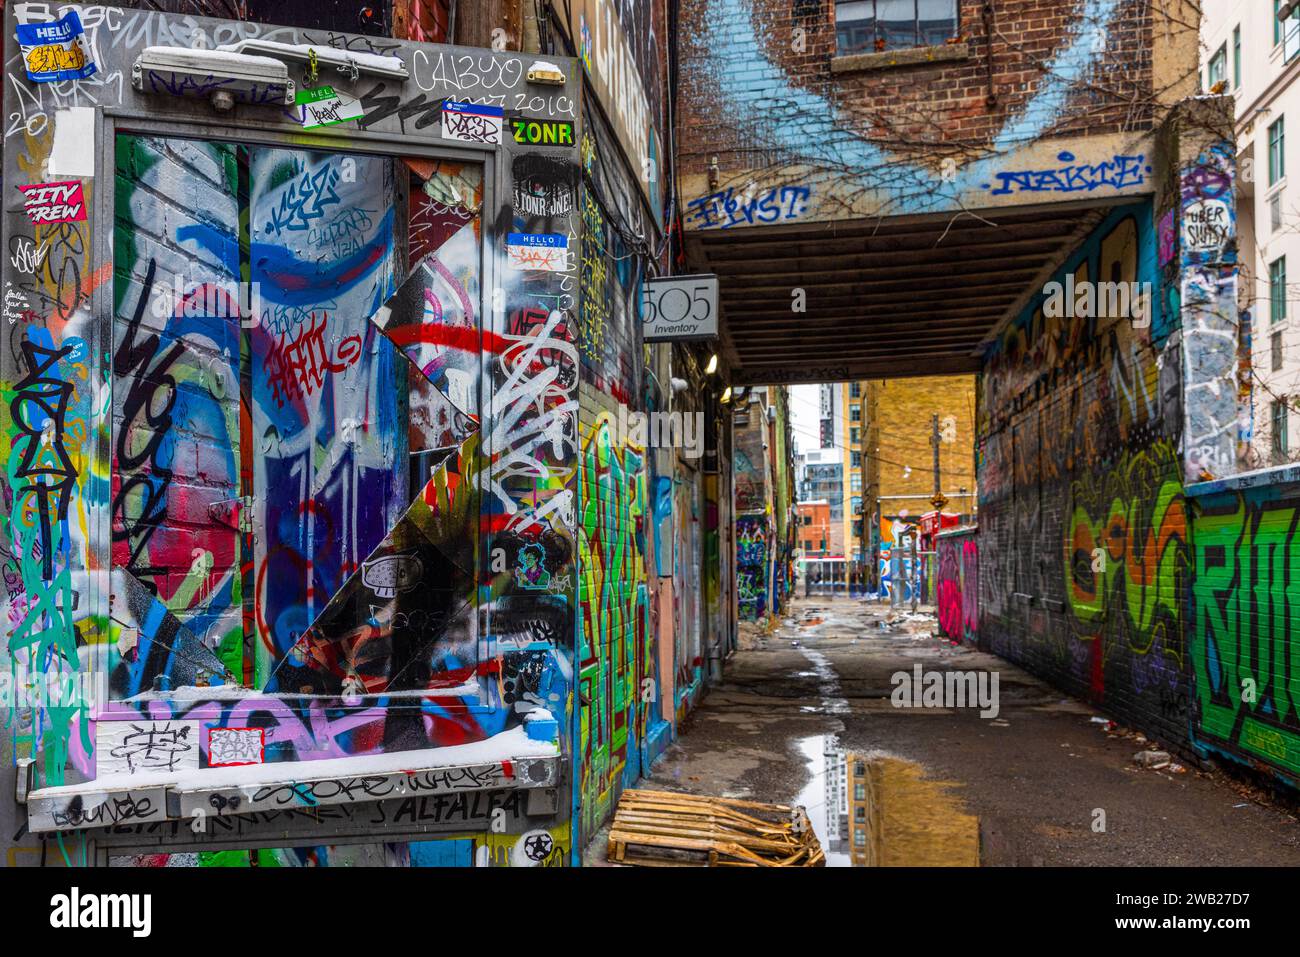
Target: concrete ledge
{"x":887,"y":59}
{"x":1259,"y":478}
{"x":160,"y":796}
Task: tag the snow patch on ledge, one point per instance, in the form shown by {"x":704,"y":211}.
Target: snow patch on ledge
{"x":220,"y":693}
{"x":513,"y":745}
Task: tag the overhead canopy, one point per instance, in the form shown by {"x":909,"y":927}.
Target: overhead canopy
{"x":881,"y":298}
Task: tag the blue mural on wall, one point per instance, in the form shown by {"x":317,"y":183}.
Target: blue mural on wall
{"x":750,"y":84}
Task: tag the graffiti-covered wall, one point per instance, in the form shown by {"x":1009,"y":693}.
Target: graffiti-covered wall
{"x":763,"y":500}
{"x":291,"y":424}
{"x":619,"y":676}
{"x":957,"y":584}
{"x":753,"y":509}
{"x":1083,"y":556}
{"x":1243,"y":613}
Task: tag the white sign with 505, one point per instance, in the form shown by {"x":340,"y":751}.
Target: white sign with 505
{"x":679,"y":307}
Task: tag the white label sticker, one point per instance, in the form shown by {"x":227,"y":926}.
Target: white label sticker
{"x":133,"y":747}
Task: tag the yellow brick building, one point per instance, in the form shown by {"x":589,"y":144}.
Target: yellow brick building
{"x":896,"y":425}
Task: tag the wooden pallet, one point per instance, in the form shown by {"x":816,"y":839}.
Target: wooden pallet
{"x":666,"y":829}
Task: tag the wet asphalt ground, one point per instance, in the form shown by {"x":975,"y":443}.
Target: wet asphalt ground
{"x":1034,"y":777}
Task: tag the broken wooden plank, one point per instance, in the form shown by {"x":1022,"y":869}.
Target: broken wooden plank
{"x":668,"y":829}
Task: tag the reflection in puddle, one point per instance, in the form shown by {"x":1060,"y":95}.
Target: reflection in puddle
{"x":874,"y":810}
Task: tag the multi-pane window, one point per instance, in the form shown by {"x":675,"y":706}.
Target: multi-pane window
{"x":855,"y":413}
{"x":855,"y":482}
{"x":855,"y":504}
{"x":855,"y":459}
{"x":1277,"y":289}
{"x":864,"y":26}
{"x":855,"y":435}
{"x":1277,"y":150}
{"x":1279,"y":423}
{"x":1287,"y":32}
{"x":855,"y":390}
{"x":1218,"y":66}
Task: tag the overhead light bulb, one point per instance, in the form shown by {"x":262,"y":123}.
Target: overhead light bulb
{"x":726,"y":394}
{"x":712,"y":367}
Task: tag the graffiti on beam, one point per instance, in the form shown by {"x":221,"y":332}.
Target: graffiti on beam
{"x":727,"y":208}
{"x":1119,"y":172}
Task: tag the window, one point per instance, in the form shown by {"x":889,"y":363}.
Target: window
{"x":855,"y":435}
{"x":1277,"y":289}
{"x":855,"y":413}
{"x":855,"y":460}
{"x":866,"y":26}
{"x":859,"y":792}
{"x":859,"y":768}
{"x":1277,"y":150}
{"x":1278,"y":418}
{"x":855,"y":505}
{"x":1276,"y":343}
{"x":855,"y":390}
{"x":1218,"y":67}
{"x":1286,"y":32}
{"x":859,"y":814}
{"x":855,"y":482}
{"x":859,"y":837}
{"x":1236,"y":57}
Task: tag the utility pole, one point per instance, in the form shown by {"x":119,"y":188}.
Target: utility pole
{"x":937,"y":500}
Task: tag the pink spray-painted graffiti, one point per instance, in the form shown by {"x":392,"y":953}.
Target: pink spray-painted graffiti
{"x":957,"y":586}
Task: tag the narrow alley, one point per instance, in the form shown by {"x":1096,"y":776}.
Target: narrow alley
{"x":760,"y":436}
{"x":1033,"y":776}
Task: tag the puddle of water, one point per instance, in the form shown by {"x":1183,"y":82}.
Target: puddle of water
{"x":829,"y":682}
{"x":876,"y":810}
{"x":821,"y":796}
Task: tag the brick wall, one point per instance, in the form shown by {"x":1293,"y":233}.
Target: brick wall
{"x":896,"y":415}
{"x":1083,"y":558}
{"x":934,"y":109}
{"x":176,"y":452}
